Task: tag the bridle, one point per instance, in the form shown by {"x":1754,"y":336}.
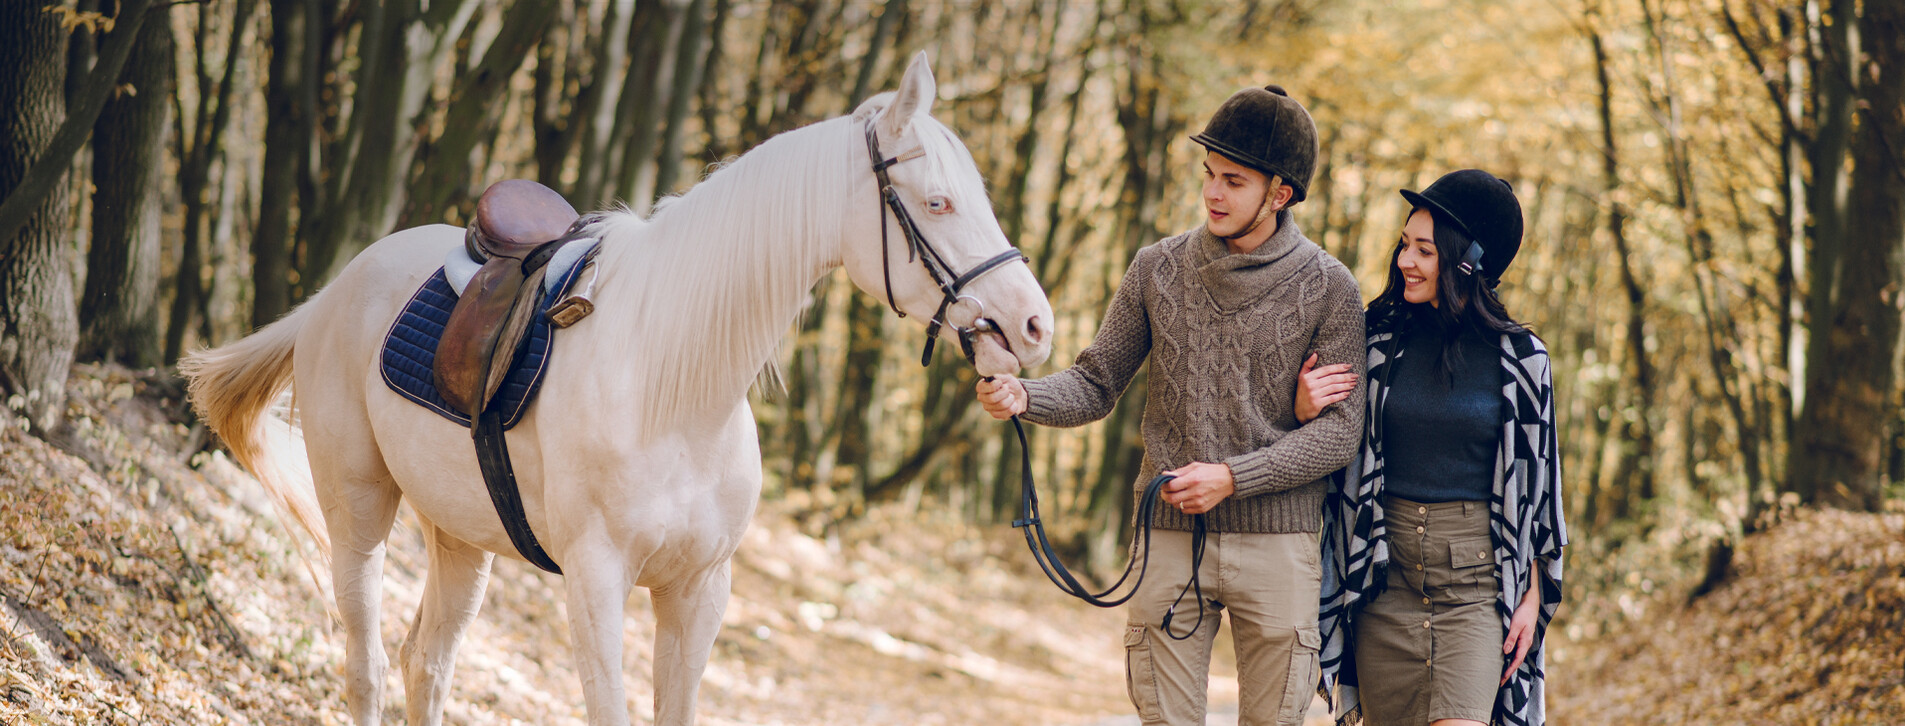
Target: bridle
{"x":950,"y":283}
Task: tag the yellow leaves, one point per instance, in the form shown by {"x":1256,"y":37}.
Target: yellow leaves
{"x":94,"y":22}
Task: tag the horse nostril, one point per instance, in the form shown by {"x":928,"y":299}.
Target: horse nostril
{"x":1033,"y":332}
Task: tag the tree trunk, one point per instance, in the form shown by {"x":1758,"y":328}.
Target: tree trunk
{"x":287,"y":125}
{"x":82,"y":49}
{"x":1635,"y":470}
{"x":1836,"y":48}
{"x":550,"y":125}
{"x":645,"y":97}
{"x":713,"y":105}
{"x":25,"y":195}
{"x":948,"y":399}
{"x":1842,"y":427}
{"x":1714,"y":312}
{"x":866,"y":323}
{"x":682,"y":90}
{"x":890,"y":15}
{"x":1052,"y":267}
{"x":1785,"y":90}
{"x":402,"y":47}
{"x":446,"y":171}
{"x":119,"y":312}
{"x":38,"y":328}
{"x":598,"y":105}
{"x":800,"y":431}
{"x":195,"y":169}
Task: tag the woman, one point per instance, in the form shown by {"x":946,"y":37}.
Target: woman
{"x":1429,"y":602}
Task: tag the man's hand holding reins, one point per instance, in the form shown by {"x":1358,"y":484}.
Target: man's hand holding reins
{"x":1198,"y":487}
{"x":1003,"y":396}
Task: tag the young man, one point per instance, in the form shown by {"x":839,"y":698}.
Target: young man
{"x":1226,"y":315}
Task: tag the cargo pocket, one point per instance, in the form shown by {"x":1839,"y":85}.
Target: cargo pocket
{"x":1140,"y":673}
{"x":1472,"y":569}
{"x":1300,"y":689}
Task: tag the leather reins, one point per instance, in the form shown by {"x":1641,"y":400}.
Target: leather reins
{"x":1041,"y":546}
{"x":950,"y":284}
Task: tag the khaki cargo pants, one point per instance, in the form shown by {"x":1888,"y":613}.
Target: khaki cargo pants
{"x":1268,"y":584}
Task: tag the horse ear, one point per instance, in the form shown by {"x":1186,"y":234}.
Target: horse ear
{"x":915,"y":97}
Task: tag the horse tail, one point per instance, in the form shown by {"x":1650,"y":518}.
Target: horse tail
{"x":235,"y":387}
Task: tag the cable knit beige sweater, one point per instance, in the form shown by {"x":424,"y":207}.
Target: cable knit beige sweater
{"x":1226,"y":335}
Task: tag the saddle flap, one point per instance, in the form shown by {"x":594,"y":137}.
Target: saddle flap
{"x":469,"y":343}
{"x":515,"y":215}
{"x":511,"y":332}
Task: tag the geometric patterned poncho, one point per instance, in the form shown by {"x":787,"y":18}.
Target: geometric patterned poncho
{"x":1526,"y":524}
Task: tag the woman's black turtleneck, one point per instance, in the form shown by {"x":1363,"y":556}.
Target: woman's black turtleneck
{"x":1440,"y":436}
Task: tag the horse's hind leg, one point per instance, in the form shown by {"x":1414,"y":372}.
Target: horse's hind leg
{"x":360,"y":503}
{"x":687,"y":619}
{"x":452,"y":593}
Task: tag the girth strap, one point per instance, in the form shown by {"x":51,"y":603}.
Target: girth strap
{"x":492,"y":455}
{"x":492,"y":448}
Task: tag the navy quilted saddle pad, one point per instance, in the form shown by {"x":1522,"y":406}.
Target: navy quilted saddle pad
{"x":410,"y":349}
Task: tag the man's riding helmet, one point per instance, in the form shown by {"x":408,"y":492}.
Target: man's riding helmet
{"x":1267,"y":130}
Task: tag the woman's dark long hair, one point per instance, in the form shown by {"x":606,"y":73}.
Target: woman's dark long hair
{"x":1468,"y":302}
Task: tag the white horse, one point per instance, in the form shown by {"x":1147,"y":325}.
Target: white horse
{"x":639,"y":464}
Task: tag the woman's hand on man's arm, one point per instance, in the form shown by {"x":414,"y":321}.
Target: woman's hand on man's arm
{"x":1319,"y":388}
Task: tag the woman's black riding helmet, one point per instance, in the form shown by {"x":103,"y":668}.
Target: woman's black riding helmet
{"x":1484,"y":207}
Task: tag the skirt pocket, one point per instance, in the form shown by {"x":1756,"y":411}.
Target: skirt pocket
{"x":1472,"y":569}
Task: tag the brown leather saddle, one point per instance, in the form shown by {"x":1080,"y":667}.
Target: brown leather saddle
{"x":519,"y":224}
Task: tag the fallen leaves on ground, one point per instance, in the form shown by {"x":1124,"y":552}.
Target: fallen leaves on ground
{"x":1809,"y":629}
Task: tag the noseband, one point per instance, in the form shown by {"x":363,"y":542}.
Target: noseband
{"x":917,"y":248}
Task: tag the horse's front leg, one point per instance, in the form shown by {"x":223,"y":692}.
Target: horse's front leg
{"x":687,"y":619}
{"x":597,"y":581}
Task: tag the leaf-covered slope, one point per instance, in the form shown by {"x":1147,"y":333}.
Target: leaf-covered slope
{"x":1809,"y":629}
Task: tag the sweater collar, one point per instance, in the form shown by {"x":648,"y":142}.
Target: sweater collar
{"x":1234,"y":281}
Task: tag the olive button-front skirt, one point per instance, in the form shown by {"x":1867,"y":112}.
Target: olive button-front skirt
{"x":1430,"y":646}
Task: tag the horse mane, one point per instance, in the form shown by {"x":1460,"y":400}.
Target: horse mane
{"x":703,"y":290}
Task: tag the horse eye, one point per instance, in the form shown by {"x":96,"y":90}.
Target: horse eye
{"x":939,"y":205}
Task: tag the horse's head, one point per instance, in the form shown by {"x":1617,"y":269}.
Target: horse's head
{"x":922,"y":235}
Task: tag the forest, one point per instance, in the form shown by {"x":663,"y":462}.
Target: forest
{"x":1714,"y":193}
